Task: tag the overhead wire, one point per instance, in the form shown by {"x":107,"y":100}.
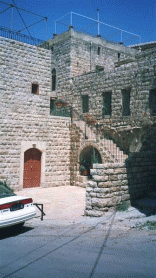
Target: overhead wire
{"x":22,"y":9}
{"x":5,"y":10}
{"x":22,"y":18}
{"x":31,"y":25}
{"x":18,"y":10}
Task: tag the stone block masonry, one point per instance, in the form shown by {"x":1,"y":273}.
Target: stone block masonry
{"x":107,"y":189}
{"x":25,"y":117}
{"x":52,"y":133}
{"x":84,"y":66}
{"x":114,"y":183}
{"x":141,"y":169}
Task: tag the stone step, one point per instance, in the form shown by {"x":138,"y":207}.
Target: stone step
{"x":110,"y":148}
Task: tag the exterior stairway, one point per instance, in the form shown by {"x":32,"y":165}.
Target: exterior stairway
{"x":112,"y":151}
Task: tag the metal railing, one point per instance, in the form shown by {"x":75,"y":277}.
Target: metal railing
{"x":60,"y":111}
{"x":90,"y":129}
{"x":94,"y":27}
{"x":40,"y":209}
{"x":11,"y":34}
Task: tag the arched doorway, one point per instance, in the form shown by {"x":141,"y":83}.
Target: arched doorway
{"x":89,"y":156}
{"x":32,"y":168}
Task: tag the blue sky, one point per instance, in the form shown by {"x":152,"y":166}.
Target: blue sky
{"x":138,"y":17}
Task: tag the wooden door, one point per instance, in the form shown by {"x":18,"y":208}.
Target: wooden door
{"x":32,"y":168}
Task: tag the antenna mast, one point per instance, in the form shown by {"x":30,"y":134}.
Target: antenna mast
{"x":98,"y":19}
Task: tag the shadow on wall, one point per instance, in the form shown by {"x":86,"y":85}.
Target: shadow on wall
{"x":141,"y":173}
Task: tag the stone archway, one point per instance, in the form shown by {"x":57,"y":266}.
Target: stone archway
{"x":32,"y":168}
{"x":88,"y":156}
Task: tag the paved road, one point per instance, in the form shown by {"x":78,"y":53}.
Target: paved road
{"x":78,"y":246}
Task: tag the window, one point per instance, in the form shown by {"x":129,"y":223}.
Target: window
{"x":107,"y":98}
{"x":152,"y":102}
{"x":99,"y":49}
{"x":154,"y":69}
{"x":99,"y":68}
{"x":53,"y":79}
{"x":126,"y":102}
{"x":35,"y":89}
{"x":85,"y":104}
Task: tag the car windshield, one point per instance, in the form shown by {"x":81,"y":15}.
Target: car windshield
{"x":5,"y":192}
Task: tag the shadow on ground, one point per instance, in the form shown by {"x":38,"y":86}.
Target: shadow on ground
{"x":146,"y":206}
{"x":13,"y":231}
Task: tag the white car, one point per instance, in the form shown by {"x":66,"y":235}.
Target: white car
{"x":14,"y":209}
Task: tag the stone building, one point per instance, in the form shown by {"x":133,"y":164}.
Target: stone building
{"x":82,"y":101}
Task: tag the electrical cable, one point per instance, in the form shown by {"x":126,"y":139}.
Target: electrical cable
{"x":5,"y":10}
{"x":22,"y":9}
{"x":22,"y":18}
{"x":31,"y":25}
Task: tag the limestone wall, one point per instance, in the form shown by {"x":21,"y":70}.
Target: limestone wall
{"x":25,"y":117}
{"x":138,"y":76}
{"x":74,"y":53}
{"x":113,"y":184}
{"x":108,"y":188}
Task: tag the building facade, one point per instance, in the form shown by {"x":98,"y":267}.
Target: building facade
{"x":80,"y":102}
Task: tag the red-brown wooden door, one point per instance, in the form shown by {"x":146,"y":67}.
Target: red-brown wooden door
{"x":32,"y":168}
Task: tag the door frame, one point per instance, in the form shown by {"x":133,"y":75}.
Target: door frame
{"x":41,"y":146}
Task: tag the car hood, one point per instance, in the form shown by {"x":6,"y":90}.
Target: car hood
{"x":12,"y":199}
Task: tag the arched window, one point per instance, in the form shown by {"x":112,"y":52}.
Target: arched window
{"x":53,"y":79}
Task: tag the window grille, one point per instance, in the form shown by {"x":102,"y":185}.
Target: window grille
{"x":126,"y":102}
{"x":107,"y":99}
{"x":85,"y":104}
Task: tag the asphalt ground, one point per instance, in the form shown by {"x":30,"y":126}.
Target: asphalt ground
{"x":67,"y":244}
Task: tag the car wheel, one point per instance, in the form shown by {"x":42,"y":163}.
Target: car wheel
{"x":20,"y":225}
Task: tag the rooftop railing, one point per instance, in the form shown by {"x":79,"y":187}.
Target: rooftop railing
{"x":11,"y":34}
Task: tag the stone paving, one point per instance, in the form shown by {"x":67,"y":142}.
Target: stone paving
{"x":65,"y":205}
{"x":60,"y":203}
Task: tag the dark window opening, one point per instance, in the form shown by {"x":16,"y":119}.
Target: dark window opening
{"x":52,"y":106}
{"x":126,"y":102}
{"x":85,"y":104}
{"x":99,"y":68}
{"x":154,"y":69}
{"x":35,"y":89}
{"x":152,"y":102}
{"x":107,"y":99}
{"x":99,"y":49}
{"x":53,"y":79}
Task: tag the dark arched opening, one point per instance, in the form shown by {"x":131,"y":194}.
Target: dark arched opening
{"x":89,"y":156}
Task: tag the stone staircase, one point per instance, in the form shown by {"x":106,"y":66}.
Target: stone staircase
{"x":112,"y":151}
